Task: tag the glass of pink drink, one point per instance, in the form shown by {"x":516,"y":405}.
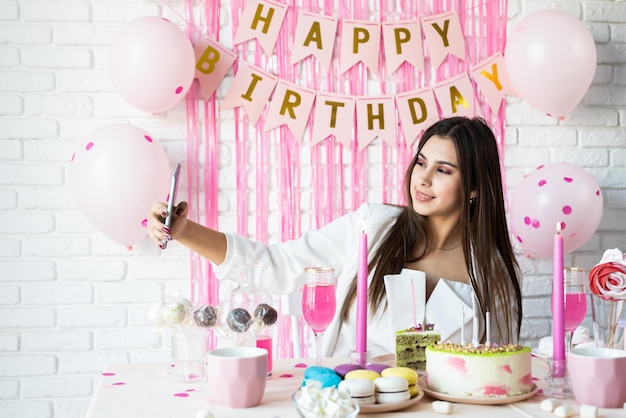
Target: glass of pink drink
{"x":265,"y":341}
{"x":575,"y":301}
{"x":319,"y":303}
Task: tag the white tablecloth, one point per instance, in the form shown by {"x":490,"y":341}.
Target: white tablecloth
{"x":147,"y":390}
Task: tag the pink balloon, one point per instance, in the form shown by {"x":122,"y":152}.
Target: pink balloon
{"x":116,"y":175}
{"x":152,"y":64}
{"x":555,"y":193}
{"x":550,"y":59}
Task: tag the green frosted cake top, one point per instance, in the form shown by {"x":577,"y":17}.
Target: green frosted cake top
{"x":482,"y":350}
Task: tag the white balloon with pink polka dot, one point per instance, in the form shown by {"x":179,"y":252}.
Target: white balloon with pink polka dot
{"x":555,"y":196}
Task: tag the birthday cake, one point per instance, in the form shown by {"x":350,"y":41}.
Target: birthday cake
{"x":483,"y":371}
{"x":411,"y":344}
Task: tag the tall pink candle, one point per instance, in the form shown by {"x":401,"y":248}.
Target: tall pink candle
{"x":361,"y":296}
{"x":558,"y":299}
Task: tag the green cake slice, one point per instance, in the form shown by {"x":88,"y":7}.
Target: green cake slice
{"x":411,"y":346}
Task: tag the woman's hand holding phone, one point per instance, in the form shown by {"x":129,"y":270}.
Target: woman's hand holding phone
{"x":171,"y":201}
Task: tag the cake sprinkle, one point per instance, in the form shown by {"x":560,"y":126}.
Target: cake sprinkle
{"x":481,"y":349}
{"x":420,"y":328}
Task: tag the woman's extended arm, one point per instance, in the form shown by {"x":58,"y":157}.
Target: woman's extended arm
{"x":204,"y":241}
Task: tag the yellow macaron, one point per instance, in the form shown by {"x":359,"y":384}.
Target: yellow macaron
{"x":362,"y":373}
{"x":409,"y":374}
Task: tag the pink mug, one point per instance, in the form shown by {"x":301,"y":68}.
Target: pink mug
{"x":237,"y":376}
{"x":598,"y":376}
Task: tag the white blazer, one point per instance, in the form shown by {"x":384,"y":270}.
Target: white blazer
{"x":334,"y":245}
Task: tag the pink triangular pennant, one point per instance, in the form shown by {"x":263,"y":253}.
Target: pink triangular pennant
{"x":417,"y":111}
{"x":291,"y":105}
{"x":492,"y":80}
{"x":212,"y":64}
{"x":261,"y":19}
{"x":315,"y":35}
{"x":360,"y":41}
{"x":444,"y":36}
{"x":456,"y":97}
{"x":333,"y":115}
{"x":376,"y":117}
{"x":251,"y":88}
{"x":403,"y":42}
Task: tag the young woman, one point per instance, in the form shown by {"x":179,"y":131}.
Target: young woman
{"x":453,"y":228}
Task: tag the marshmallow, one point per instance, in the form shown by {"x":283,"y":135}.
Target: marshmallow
{"x":204,"y":413}
{"x":565,"y":411}
{"x":588,"y":411}
{"x":442,"y":407}
{"x":325,"y":401}
{"x":550,"y":404}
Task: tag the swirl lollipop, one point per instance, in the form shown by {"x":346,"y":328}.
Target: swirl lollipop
{"x":608,"y":278}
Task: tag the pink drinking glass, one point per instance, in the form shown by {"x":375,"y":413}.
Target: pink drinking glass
{"x":319,"y":303}
{"x":575,"y":301}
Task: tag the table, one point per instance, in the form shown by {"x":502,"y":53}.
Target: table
{"x":147,"y":390}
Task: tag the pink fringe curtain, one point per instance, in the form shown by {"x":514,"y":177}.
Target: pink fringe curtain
{"x":340,"y":178}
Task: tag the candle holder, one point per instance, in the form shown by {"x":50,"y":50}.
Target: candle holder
{"x":362,"y":359}
{"x":558,"y":380}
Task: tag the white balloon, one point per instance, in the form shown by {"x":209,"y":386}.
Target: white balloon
{"x":556,"y":193}
{"x":550,"y":60}
{"x":152,"y":63}
{"x":116,"y":175}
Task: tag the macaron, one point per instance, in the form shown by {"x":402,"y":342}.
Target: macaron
{"x":391,"y":389}
{"x":407,"y":373}
{"x":343,"y":369}
{"x":377,"y":367}
{"x":326,"y":376}
{"x":361,"y":390}
{"x":362,"y":373}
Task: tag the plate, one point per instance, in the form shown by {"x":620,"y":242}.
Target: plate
{"x":390,"y":360}
{"x":535,"y":352}
{"x":388,"y":407}
{"x":496,"y":400}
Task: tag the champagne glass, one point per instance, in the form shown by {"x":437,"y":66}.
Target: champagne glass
{"x":318,"y":303}
{"x":575,"y":301}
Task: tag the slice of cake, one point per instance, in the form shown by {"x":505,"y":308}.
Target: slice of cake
{"x":411,"y":344}
{"x":468,"y":371}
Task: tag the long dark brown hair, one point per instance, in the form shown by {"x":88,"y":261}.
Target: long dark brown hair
{"x":493,"y":270}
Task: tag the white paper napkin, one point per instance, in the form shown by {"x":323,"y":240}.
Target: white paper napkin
{"x":445,"y":309}
{"x":406,"y":297}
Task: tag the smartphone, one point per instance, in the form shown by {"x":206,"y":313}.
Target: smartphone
{"x":171,"y":200}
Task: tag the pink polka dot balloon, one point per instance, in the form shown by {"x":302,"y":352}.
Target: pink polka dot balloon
{"x":116,"y":174}
{"x":152,"y":63}
{"x":557,"y":193}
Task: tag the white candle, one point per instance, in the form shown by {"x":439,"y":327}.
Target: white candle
{"x":474,"y":323}
{"x":462,"y":325}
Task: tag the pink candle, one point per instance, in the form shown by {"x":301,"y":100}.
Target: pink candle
{"x":558,"y":299}
{"x":361,"y":296}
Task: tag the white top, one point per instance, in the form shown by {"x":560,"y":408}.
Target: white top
{"x":334,"y":245}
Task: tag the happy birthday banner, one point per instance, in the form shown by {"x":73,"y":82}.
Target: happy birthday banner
{"x":291,"y":105}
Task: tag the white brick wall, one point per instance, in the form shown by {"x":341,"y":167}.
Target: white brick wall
{"x":71,"y":300}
